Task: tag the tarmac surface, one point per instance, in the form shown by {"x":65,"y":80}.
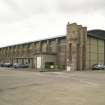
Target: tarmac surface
{"x":51,"y":88}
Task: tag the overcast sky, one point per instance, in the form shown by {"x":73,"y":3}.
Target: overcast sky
{"x":28,"y":20}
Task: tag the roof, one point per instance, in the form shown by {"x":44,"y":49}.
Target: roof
{"x":97,"y":33}
{"x":49,"y":38}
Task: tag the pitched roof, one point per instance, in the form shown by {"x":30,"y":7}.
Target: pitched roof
{"x":97,"y":33}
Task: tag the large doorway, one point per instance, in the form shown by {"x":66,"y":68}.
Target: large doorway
{"x":38,"y":62}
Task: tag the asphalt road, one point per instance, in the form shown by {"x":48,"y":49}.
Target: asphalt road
{"x":52,"y":88}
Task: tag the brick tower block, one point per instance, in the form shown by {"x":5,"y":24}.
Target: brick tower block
{"x":76,"y":47}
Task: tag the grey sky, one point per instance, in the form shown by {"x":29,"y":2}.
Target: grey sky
{"x":28,"y":20}
{"x":82,"y":6}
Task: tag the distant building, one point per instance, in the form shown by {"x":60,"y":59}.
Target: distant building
{"x":79,"y":49}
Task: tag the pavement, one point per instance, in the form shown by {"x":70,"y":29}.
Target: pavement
{"x":19,"y":87}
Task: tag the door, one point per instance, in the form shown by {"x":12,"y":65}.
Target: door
{"x":38,"y":62}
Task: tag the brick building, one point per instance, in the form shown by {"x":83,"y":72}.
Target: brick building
{"x":79,"y":49}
